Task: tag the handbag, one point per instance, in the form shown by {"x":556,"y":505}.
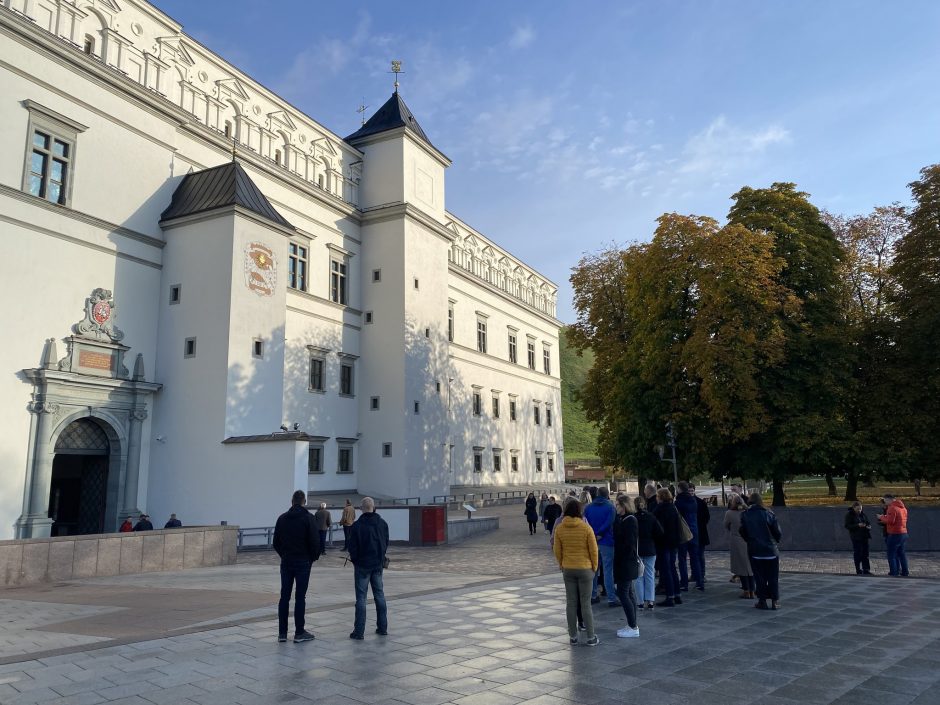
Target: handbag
{"x":685,"y":533}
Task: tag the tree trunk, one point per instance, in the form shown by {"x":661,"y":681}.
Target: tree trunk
{"x":779,"y":499}
{"x":851,"y":486}
{"x":831,"y":484}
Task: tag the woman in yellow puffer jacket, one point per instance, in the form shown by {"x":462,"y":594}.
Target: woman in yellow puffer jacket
{"x":576,"y":551}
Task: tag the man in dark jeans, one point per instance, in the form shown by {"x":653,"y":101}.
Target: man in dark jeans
{"x":368,"y":542}
{"x":297,"y":542}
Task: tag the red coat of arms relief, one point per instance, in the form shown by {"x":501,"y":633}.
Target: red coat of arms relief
{"x":260,"y":269}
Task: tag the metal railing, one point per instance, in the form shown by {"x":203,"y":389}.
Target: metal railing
{"x":407,"y":500}
{"x":267,"y":532}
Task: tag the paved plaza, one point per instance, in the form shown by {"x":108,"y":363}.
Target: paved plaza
{"x":478,"y":623}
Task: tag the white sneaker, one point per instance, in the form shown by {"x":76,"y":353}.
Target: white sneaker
{"x":627,"y":633}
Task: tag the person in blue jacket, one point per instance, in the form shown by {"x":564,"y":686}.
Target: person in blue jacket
{"x":688,"y":510}
{"x":600,"y":515}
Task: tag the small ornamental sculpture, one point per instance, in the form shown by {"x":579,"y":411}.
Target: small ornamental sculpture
{"x":260,"y":269}
{"x":100,"y":313}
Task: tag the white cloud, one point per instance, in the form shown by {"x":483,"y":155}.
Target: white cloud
{"x":522,"y":37}
{"x":722,"y":147}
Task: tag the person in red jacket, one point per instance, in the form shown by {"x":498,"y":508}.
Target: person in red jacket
{"x":128,"y":525}
{"x":895,"y":523}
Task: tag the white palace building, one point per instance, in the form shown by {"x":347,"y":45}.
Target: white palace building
{"x":192,"y":333}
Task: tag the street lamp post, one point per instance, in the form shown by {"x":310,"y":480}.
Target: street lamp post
{"x":671,"y":442}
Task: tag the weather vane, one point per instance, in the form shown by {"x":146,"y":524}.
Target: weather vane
{"x":396,"y":69}
{"x":362,"y":110}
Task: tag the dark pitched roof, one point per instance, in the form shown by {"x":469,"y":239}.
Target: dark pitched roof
{"x":390,"y":116}
{"x":220,"y":187}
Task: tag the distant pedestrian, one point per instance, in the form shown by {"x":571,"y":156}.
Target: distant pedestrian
{"x":649,"y":530}
{"x":543,"y":502}
{"x":143,"y":524}
{"x":760,"y":529}
{"x":704,"y":516}
{"x":895,"y":522}
{"x":688,"y":508}
{"x":324,"y":520}
{"x":173,"y":523}
{"x":127,"y":526}
{"x":667,"y":547}
{"x":859,"y":528}
{"x":368,"y":544}
{"x":346,"y":521}
{"x":649,"y":493}
{"x":531,"y":512}
{"x":575,"y":549}
{"x":626,"y":563}
{"x":600,"y":515}
{"x":552,"y":513}
{"x":297,"y":542}
{"x":737,"y":547}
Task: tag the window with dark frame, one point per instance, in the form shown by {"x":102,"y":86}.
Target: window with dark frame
{"x":315,"y":459}
{"x":537,"y":414}
{"x":386,"y":450}
{"x":547,"y":361}
{"x":346,"y":379}
{"x":345,"y":460}
{"x":481,"y":336}
{"x":497,"y":461}
{"x":531,"y":351}
{"x":450,"y":324}
{"x":495,"y":406}
{"x":514,"y":463}
{"x":297,"y":266}
{"x":50,"y":166}
{"x":257,"y":349}
{"x":175,"y":292}
{"x":551,"y":463}
{"x":538,"y":463}
{"x":512,"y":409}
{"x":477,"y":404}
{"x":477,"y":461}
{"x":374,"y":403}
{"x":512,"y":347}
{"x":548,"y":416}
{"x":189,"y":347}
{"x":316,"y":374}
{"x":338,"y":281}
{"x":417,"y":407}
{"x":376,"y":275}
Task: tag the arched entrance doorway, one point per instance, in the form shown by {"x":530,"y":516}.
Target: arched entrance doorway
{"x":79,"y":488}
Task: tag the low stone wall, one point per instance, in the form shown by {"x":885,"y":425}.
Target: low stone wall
{"x":823,"y":529}
{"x":459,"y":529}
{"x":33,"y":561}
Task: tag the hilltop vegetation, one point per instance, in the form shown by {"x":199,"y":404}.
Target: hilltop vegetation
{"x":580,"y":434}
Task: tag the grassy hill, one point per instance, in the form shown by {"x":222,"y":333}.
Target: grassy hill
{"x":580,"y":434}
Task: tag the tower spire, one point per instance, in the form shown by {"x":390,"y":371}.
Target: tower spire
{"x":396,"y":69}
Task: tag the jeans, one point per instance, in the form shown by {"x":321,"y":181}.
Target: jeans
{"x":346,"y":536}
{"x":860,"y":555}
{"x":646,"y":583}
{"x":364,"y":577}
{"x":628,"y":599}
{"x":607,"y":561}
{"x":293,"y":571}
{"x":766,"y":578}
{"x":897,"y":557}
{"x":694,"y":553}
{"x":578,"y":591}
{"x":667,"y":571}
{"x":322,"y":541}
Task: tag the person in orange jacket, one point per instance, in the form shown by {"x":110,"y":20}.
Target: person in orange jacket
{"x":895,"y":523}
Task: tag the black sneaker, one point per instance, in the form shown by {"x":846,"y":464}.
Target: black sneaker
{"x":593,"y":641}
{"x":573,"y":640}
{"x":281,"y":638}
{"x":358,"y":637}
{"x":678,"y":600}
{"x":581,"y":627}
{"x":380,"y":632}
{"x":595,"y":600}
{"x":303,"y":636}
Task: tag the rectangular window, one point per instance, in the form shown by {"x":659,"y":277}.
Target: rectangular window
{"x":189,"y":347}
{"x":512,"y":409}
{"x":175,"y":292}
{"x":495,"y":407}
{"x":538,"y":463}
{"x":376,"y":275}
{"x":346,"y":379}
{"x":497,"y":461}
{"x":48,"y":168}
{"x":537,"y":414}
{"x":345,"y":460}
{"x":512,"y":347}
{"x":315,"y":459}
{"x":513,"y":462}
{"x":551,"y":463}
{"x":417,"y":407}
{"x":338,"y":282}
{"x":477,"y":461}
{"x":297,"y":267}
{"x":547,"y":361}
{"x":374,"y":403}
{"x":531,"y":350}
{"x":438,"y":387}
{"x":386,"y":450}
{"x":477,"y":404}
{"x":548,"y":416}
{"x":257,"y":349}
{"x":368,"y":317}
{"x":416,"y":283}
{"x":481,"y":336}
{"x":316,"y":374}
{"x":450,"y":324}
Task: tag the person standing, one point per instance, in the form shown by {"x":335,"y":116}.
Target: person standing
{"x":173,"y":523}
{"x":127,"y":526}
{"x":552,"y":514}
{"x":895,"y":522}
{"x":737,"y":546}
{"x":346,"y":521}
{"x":688,"y":508}
{"x":531,"y":512}
{"x":649,"y":531}
{"x":543,"y":502}
{"x":760,"y":529}
{"x":323,"y":520}
{"x":859,"y":528}
{"x":703,"y":516}
{"x":667,"y":547}
{"x":143,"y":524}
{"x":575,"y":549}
{"x":368,"y":543}
{"x":626,"y":563}
{"x":600,"y":515}
{"x":297,"y":542}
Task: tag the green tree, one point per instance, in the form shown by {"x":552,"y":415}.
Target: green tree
{"x":805,"y":393}
{"x":916,"y":268}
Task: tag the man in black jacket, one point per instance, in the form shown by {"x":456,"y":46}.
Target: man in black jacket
{"x":297,"y":542}
{"x":368,"y":542}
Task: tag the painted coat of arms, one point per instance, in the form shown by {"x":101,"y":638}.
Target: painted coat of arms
{"x":260,"y":269}
{"x":100,"y":313}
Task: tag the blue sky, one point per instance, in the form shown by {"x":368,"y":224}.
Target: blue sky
{"x":573,"y":125}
